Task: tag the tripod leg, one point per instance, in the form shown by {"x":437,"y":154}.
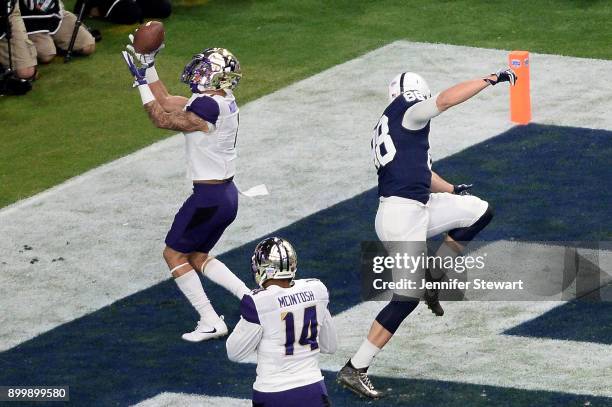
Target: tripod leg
{"x":9,"y":33}
{"x":75,"y":31}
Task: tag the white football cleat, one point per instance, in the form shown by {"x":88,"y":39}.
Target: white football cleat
{"x":205,"y":331}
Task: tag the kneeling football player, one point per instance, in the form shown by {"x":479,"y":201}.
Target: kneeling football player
{"x":288,"y":324}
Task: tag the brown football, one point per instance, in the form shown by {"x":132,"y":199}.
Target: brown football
{"x":149,"y":37}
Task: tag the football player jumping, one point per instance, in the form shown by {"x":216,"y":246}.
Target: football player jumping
{"x":209,"y":121}
{"x":416,"y":203}
{"x":287,"y":322}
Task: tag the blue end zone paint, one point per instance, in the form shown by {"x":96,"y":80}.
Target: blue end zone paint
{"x":580,"y":320}
{"x":131,"y":350}
{"x":545,"y":182}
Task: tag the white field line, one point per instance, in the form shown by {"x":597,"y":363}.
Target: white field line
{"x":192,"y":400}
{"x":309,"y":142}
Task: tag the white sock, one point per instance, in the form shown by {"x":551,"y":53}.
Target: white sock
{"x":365,"y":354}
{"x":191,"y":286}
{"x":218,"y":272}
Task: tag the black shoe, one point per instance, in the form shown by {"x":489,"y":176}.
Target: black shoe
{"x":10,"y":85}
{"x":357,"y":381}
{"x":431,"y":297}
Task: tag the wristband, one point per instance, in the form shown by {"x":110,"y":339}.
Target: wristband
{"x":151,"y":75}
{"x":145,"y":94}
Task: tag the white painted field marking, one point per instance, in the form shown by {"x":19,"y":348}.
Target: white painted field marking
{"x":192,"y":400}
{"x":311,"y":138}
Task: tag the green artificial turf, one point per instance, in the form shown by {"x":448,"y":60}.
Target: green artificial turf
{"x":84,"y":114}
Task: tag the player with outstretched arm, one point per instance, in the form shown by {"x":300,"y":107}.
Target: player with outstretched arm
{"x":288,"y":324}
{"x":209,"y":121}
{"x":415,"y":202}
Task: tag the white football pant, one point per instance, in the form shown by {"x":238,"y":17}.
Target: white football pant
{"x":401,"y":219}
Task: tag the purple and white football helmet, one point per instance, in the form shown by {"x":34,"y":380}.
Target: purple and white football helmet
{"x":212,"y":69}
{"x":274,"y":258}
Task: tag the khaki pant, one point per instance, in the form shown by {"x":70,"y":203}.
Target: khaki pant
{"x":22,"y":49}
{"x":46,"y":43}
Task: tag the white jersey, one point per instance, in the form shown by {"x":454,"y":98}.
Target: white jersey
{"x":288,"y":327}
{"x":211,"y":155}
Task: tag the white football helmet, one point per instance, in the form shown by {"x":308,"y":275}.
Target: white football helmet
{"x":408,"y":81}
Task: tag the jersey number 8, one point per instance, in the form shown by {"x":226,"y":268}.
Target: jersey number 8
{"x":383,"y":149}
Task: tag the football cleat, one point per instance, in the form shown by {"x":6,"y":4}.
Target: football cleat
{"x":431,"y":297}
{"x":205,"y":331}
{"x":357,"y":381}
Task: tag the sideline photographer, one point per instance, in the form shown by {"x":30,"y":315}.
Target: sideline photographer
{"x":50,"y":27}
{"x":17,"y":52}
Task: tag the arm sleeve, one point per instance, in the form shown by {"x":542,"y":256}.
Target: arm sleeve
{"x":204,"y":107}
{"x":248,"y":310}
{"x":417,"y":115}
{"x":328,"y":339}
{"x":246,"y":335}
{"x":243,"y":340}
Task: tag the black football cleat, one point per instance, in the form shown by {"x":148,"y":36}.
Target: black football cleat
{"x":431,"y":297}
{"x":357,"y":381}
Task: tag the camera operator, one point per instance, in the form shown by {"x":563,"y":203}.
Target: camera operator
{"x":50,"y":27}
{"x":20,"y":54}
{"x":127,"y":11}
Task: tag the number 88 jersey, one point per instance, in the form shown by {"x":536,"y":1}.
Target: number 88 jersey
{"x":291,"y":318}
{"x":401,"y":156}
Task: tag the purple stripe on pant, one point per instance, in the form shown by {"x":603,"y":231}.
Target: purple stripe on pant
{"x":200,"y":222}
{"x":311,"y":395}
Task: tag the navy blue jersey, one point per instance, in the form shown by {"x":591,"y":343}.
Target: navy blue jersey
{"x":402,"y":156}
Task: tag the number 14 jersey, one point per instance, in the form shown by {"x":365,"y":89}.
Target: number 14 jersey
{"x":296,"y":326}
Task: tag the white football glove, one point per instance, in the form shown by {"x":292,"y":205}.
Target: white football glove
{"x":145,"y":60}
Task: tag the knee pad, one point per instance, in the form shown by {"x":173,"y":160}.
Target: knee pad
{"x":394,"y":313}
{"x":468,"y":233}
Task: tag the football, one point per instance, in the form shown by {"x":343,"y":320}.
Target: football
{"x":149,"y":37}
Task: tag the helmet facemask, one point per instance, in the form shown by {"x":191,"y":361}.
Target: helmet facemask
{"x":213,"y":69}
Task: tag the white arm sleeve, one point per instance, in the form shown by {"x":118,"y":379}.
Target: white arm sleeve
{"x":243,"y":340}
{"x":328,"y":340}
{"x":417,"y":116}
